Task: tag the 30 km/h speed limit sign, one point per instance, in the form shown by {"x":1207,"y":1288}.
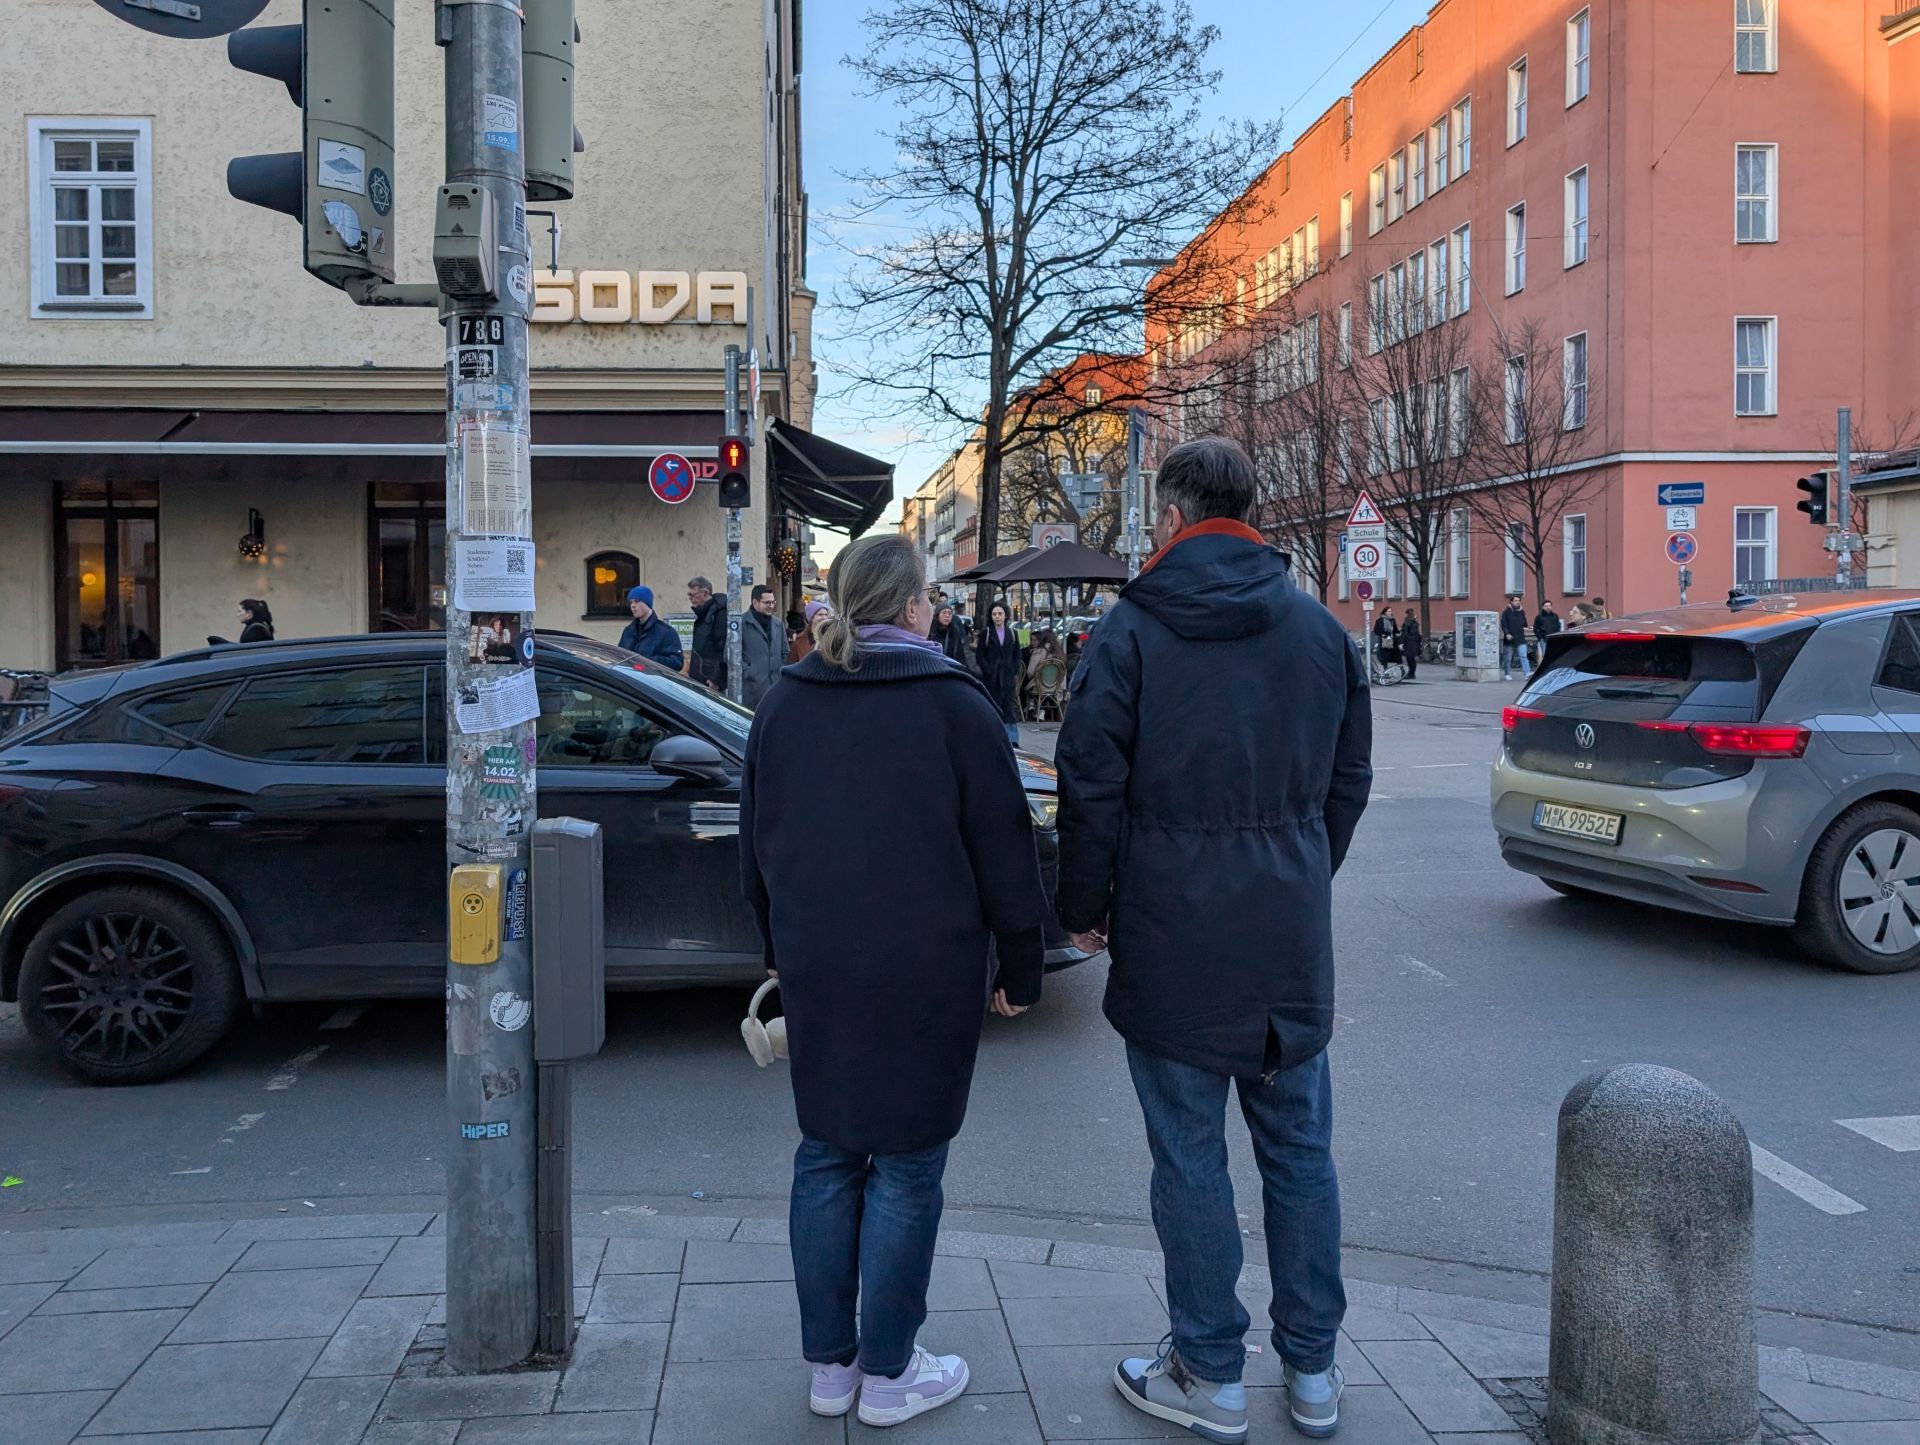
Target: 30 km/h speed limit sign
{"x":1367,"y":562}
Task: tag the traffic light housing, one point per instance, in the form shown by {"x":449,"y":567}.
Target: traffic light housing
{"x":337,"y":66}
{"x":547,"y":43}
{"x":1814,"y":504}
{"x":735,"y":488}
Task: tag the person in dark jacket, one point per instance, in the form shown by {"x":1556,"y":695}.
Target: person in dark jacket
{"x":1412,"y":639}
{"x":948,"y":635}
{"x":997,"y":649}
{"x":877,"y":752}
{"x":256,"y":620}
{"x":1546,"y":623}
{"x":707,"y":650}
{"x":1386,"y":636}
{"x":649,"y":634}
{"x":1513,"y":638}
{"x":1214,"y":762}
{"x":763,"y":647}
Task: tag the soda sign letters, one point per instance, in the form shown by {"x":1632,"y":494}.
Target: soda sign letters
{"x":639,"y":298}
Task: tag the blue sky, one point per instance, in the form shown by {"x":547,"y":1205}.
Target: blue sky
{"x":1269,"y":52}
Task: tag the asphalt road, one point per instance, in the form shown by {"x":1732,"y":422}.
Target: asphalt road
{"x":1471,"y":999}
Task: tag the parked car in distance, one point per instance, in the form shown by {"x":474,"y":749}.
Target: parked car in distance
{"x":1757,"y":759}
{"x":267,"y":823}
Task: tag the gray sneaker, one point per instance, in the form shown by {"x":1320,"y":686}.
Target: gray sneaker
{"x":1314,"y":1400}
{"x":1163,"y":1388}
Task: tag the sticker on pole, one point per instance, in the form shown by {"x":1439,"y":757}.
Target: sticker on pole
{"x":493,"y":575}
{"x":1365,"y":514}
{"x":1682,"y":548}
{"x":671,"y":478}
{"x":500,"y":122}
{"x":496,"y":704}
{"x":496,"y":479}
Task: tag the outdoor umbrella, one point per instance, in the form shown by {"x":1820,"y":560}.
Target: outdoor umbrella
{"x":990,"y":570}
{"x":1062,"y":562}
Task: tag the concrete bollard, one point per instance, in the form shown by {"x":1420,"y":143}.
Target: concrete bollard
{"x":1652,"y":1331}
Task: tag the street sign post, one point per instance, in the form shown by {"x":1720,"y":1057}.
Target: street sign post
{"x":1682,"y":548}
{"x":1366,"y":543}
{"x":1682,"y":519}
{"x":671,"y":478}
{"x":1683,"y":494}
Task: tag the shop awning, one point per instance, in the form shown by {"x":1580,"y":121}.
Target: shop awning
{"x":825,"y":482}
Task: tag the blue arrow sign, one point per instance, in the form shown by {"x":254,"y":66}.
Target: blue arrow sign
{"x":1683,"y":494}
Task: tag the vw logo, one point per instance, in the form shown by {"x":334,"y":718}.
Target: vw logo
{"x":1583,"y":735}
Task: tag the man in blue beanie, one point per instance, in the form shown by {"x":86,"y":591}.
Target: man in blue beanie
{"x":648,"y":634}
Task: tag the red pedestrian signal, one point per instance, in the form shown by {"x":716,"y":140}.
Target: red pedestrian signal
{"x":735,"y":488}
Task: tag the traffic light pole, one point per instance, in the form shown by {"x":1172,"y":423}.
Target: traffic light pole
{"x":1842,"y":505}
{"x":735,"y":610}
{"x":491,"y":702}
{"x":1136,"y":443}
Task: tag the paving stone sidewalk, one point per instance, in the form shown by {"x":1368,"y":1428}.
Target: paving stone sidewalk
{"x":328,"y":1330}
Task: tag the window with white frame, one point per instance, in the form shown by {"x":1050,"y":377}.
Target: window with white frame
{"x":1517,"y":249}
{"x":91,"y":215}
{"x":1756,"y":36}
{"x":1343,"y":337}
{"x":1573,"y":383}
{"x":1397,"y":303}
{"x":1376,"y":200}
{"x":1437,"y":573}
{"x":1311,"y":254}
{"x":1576,"y":219}
{"x":1396,"y":573}
{"x":1376,"y":315}
{"x":1460,"y":550}
{"x":1438,"y":145}
{"x":1439,"y":295}
{"x":1458,"y":417}
{"x":1416,"y":293}
{"x":1514,"y":399}
{"x":1754,"y":391}
{"x":1287,"y":275}
{"x":1462,"y":270}
{"x":1396,"y":186}
{"x":1756,"y":181}
{"x":1379,"y":414}
{"x":1343,"y":452}
{"x":1753,"y":544}
{"x":1517,"y":101}
{"x":1516,"y":557}
{"x":1573,"y":552}
{"x":1346,"y":224}
{"x":1416,"y":171}
{"x":1308,"y":356}
{"x":1462,"y":117}
{"x":1579,"y":57}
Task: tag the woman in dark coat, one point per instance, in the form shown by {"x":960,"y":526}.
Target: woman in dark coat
{"x":949,"y":636}
{"x":256,"y":620}
{"x":880,"y":755}
{"x":997,"y":650}
{"x":1412,"y":639}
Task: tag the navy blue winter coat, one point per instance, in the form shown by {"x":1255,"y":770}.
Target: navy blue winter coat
{"x":1215,"y":759}
{"x":654,"y":640}
{"x":885,"y":844}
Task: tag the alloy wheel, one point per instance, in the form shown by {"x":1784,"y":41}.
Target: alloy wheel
{"x":119,"y":988}
{"x":1880,"y":891}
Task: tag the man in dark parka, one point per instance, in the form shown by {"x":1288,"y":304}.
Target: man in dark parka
{"x":1214,"y":762}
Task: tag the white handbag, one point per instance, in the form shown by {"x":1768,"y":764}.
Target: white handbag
{"x":766,"y":1042}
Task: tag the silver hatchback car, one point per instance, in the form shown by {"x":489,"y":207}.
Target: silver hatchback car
{"x":1757,"y":759}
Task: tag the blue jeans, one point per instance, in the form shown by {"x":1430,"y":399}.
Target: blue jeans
{"x":1013,"y":734}
{"x":1513,"y":657}
{"x":1291,"y":1119}
{"x":863,"y":1222}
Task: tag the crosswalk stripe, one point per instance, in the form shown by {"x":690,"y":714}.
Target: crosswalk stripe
{"x":1898,"y":1132}
{"x":1798,"y":1182}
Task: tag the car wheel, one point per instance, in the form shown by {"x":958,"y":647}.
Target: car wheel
{"x":1860,"y":902}
{"x":128,"y":985}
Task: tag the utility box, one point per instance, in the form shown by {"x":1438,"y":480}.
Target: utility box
{"x":1476,"y":646}
{"x":569,"y":946}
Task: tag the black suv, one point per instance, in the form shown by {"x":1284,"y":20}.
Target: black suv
{"x":267,"y":823}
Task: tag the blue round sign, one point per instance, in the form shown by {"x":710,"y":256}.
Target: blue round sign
{"x":671,"y":478}
{"x":1682,"y":547}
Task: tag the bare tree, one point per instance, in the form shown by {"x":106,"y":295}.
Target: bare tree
{"x":1890,"y":438}
{"x":1041,"y":144}
{"x":1422,"y":418}
{"x":1540,"y":396}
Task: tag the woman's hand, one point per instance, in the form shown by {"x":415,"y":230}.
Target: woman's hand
{"x":1003,"y":1008}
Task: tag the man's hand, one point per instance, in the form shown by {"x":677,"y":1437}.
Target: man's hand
{"x":1003,"y":1008}
{"x":1094,"y":940}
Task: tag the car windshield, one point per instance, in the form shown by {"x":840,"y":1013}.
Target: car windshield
{"x":727,"y":719}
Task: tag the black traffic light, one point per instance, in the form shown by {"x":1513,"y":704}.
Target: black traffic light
{"x":735,"y":489}
{"x":547,"y":42}
{"x":338,"y":68}
{"x":1814,"y":504}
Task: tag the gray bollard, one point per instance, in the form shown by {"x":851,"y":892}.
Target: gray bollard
{"x":1652,"y":1333}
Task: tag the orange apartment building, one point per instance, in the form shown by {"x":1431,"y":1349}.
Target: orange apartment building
{"x":1698,"y":202}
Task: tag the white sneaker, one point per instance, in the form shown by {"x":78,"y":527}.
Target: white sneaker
{"x":928,"y":1382}
{"x":835,"y":1388}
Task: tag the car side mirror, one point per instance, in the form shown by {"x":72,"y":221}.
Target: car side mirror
{"x":694,"y":759}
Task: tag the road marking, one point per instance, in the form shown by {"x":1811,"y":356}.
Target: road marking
{"x":344,"y":1018}
{"x":1432,"y":975}
{"x":240,"y":1126}
{"x":1899,"y":1132}
{"x":1425,"y":767}
{"x":1797,"y":1181}
{"x":178,"y":1172}
{"x":289,"y":1074}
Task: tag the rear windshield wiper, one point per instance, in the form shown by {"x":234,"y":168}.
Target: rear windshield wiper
{"x":1632,"y":692}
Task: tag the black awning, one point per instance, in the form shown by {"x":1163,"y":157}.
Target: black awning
{"x":825,"y":482}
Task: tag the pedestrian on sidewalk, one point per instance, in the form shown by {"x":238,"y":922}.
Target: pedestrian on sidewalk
{"x":804,"y":635}
{"x":763,"y":647}
{"x":650,"y":635}
{"x":948,"y":635}
{"x":1386,"y":636}
{"x":1213,"y":766}
{"x":879,"y":754}
{"x":707,"y":654}
{"x":1411,"y":641}
{"x":1513,"y":638}
{"x":1546,"y":623}
{"x":998,"y":652}
{"x":256,"y":620}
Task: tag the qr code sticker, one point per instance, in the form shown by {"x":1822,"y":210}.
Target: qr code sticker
{"x":516,"y":562}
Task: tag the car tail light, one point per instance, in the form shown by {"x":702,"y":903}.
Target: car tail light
{"x":1618,"y":636}
{"x":1740,"y":740}
{"x":1512,"y":717}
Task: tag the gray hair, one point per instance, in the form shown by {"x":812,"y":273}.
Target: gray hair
{"x":871,"y":582}
{"x":701,"y":583}
{"x":1208,"y":478}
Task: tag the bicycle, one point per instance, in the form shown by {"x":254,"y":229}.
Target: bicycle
{"x":1439,"y":650}
{"x":1387,"y":674}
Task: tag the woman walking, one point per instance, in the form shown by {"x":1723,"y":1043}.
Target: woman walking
{"x":256,"y":620}
{"x":1412,"y":639}
{"x":879,"y":754}
{"x":998,"y":651}
{"x":948,"y":635}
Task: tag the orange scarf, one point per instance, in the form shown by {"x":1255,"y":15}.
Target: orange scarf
{"x":1216,"y":527}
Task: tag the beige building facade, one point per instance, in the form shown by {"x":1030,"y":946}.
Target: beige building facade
{"x":171,"y":381}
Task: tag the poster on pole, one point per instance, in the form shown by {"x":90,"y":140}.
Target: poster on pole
{"x":495,"y":704}
{"x":496,"y":481}
{"x":492,"y":574}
